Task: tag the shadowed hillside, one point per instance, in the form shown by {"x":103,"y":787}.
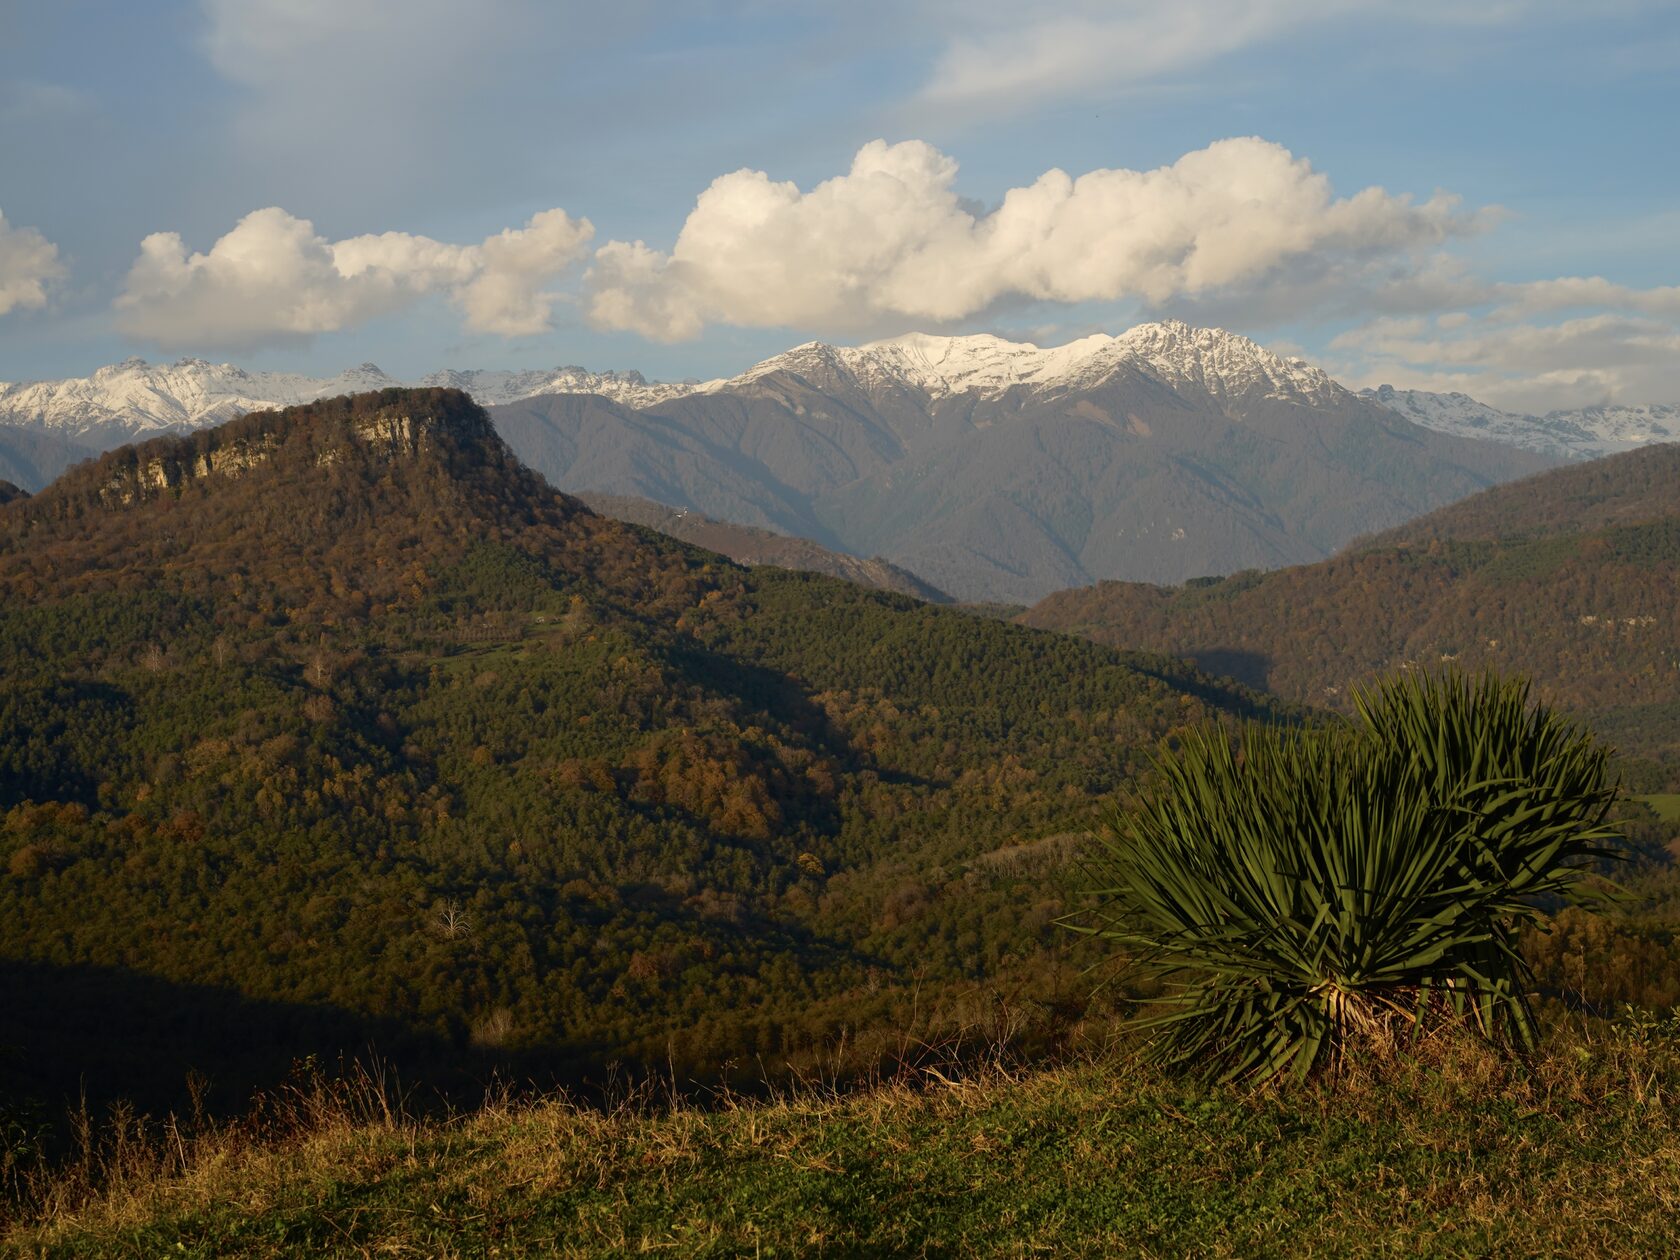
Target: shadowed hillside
{"x":748,"y":545}
{"x":31,"y":457}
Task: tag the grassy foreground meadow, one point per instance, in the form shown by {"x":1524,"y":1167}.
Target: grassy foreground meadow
{"x":1453,"y":1151}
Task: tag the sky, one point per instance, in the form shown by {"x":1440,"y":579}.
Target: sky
{"x":1439,"y":195}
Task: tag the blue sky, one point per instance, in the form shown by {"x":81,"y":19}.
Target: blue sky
{"x":1474,"y":196}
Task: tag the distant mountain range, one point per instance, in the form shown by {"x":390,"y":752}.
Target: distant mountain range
{"x":30,"y":457}
{"x":134,"y":399}
{"x":990,"y":469}
{"x":1001,"y":472}
{"x":1586,"y":433}
{"x":1571,"y":578}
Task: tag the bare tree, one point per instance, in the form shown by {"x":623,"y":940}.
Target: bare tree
{"x":452,"y":920}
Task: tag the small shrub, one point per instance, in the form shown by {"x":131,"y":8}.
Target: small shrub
{"x":1327,"y":888}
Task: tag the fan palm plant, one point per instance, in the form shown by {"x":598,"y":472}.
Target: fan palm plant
{"x":1328,"y":887}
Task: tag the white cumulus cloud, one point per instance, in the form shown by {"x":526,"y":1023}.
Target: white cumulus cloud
{"x":28,"y":264}
{"x":891,"y":242}
{"x":273,"y":278}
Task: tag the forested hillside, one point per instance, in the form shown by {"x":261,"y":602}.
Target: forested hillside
{"x":1625,"y":489}
{"x":1572,"y":578}
{"x":337,"y":726}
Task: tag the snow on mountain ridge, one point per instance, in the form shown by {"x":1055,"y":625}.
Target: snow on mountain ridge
{"x":1224,"y":364}
{"x":135,"y":399}
{"x":141,"y":398}
{"x":1583,"y":434}
{"x":491,"y":388}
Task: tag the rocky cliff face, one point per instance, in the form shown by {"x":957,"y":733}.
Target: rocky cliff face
{"x":163,"y":472}
{"x":367,"y":432}
{"x":165,"y":467}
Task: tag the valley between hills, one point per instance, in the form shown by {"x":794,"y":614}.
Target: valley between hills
{"x":1570,"y":578}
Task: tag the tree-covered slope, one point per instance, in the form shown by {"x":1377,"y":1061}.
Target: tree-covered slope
{"x":1626,"y":489}
{"x":338,"y":721}
{"x":1571,"y":578}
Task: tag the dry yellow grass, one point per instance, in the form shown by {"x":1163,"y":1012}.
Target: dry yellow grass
{"x":1453,"y":1151}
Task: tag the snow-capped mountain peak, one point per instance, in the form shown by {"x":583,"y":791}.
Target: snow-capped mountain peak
{"x":1225,"y":364}
{"x":1222,"y":363}
{"x":134,"y":397}
{"x":943,"y":366}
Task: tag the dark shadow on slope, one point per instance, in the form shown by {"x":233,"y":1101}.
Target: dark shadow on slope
{"x":1220,"y":690}
{"x":109,"y":1033}
{"x":784,"y":700}
{"x":1251,"y":669}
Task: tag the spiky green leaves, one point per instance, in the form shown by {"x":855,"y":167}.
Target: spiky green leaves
{"x":1320,"y":889}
